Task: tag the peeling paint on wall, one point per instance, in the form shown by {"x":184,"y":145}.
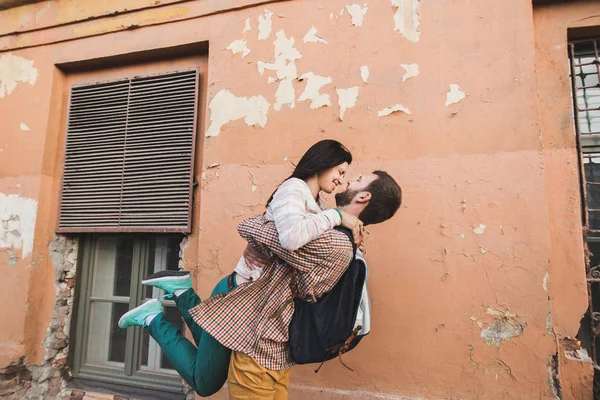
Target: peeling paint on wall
{"x":311,"y":37}
{"x":226,"y":107}
{"x":264,"y":25}
{"x":389,"y":110}
{"x":24,"y":127}
{"x":504,"y":327}
{"x":411,"y":71}
{"x":364,"y":73}
{"x":285,"y":67}
{"x":15,"y":69}
{"x":480,"y":230}
{"x":573,"y":350}
{"x":407,"y":19}
{"x":285,"y":94}
{"x":357,"y":13}
{"x":239,"y":46}
{"x":546,"y":281}
{"x":455,"y":94}
{"x":347,"y":99}
{"x":549,"y":324}
{"x":17,"y":223}
{"x":313,"y":86}
{"x":247,"y":27}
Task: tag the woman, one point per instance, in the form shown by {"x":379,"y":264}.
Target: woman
{"x":299,"y":216}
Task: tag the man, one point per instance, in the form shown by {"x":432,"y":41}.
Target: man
{"x":253,"y":320}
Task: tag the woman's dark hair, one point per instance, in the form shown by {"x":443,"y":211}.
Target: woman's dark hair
{"x":320,"y":157}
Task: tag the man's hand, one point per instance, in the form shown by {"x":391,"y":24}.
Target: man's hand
{"x":355,"y":225}
{"x":254,"y":258}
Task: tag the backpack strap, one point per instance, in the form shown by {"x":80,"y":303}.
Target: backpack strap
{"x":341,"y":349}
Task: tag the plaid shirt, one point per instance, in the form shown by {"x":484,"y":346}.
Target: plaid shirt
{"x":242,"y":320}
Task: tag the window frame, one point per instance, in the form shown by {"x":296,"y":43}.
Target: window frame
{"x":133,"y":373}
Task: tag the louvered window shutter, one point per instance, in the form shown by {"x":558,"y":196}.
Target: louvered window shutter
{"x":129,"y":155}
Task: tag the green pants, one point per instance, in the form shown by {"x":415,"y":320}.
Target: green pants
{"x":204,"y":366}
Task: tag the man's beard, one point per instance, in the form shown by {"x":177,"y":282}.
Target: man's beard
{"x":343,"y":199}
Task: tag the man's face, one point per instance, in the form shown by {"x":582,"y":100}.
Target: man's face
{"x":353,"y":188}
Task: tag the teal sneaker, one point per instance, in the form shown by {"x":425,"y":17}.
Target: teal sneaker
{"x":169,"y":281}
{"x":138,"y":315}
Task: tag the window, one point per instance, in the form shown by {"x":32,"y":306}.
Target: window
{"x":129,"y":155}
{"x":127,"y":189}
{"x":112,"y":268}
{"x":585,"y":71}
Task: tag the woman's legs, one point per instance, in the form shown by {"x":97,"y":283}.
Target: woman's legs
{"x":204,"y":367}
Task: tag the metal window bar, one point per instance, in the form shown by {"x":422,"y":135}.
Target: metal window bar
{"x":585,"y":86}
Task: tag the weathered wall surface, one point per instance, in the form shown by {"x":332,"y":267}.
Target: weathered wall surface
{"x":566,"y":288}
{"x":449,"y":97}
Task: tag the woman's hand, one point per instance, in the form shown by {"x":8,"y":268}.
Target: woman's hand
{"x":355,"y":225}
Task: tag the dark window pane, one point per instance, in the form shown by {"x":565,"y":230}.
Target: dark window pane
{"x":118,"y":336}
{"x":124,"y":261}
{"x":592,"y":170}
{"x":145,"y":347}
{"x":594,"y":223}
{"x":173,"y":253}
{"x":163,"y":254}
{"x":593,"y":196}
{"x":151,"y":264}
{"x":106,"y":341}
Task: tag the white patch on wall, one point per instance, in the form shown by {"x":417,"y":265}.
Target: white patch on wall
{"x":411,"y":71}
{"x":407,"y":19}
{"x":226,"y":107}
{"x":357,"y":13}
{"x":455,"y":94}
{"x":347,"y":99}
{"x":24,"y":127}
{"x":15,"y":69}
{"x":17,"y":223}
{"x":311,"y":37}
{"x":480,"y":230}
{"x":247,"y":27}
{"x":285,"y":94}
{"x":311,"y":91}
{"x":546,"y":281}
{"x":264,"y":25}
{"x":285,"y":68}
{"x":389,"y":110}
{"x":364,"y":73}
{"x":239,"y":46}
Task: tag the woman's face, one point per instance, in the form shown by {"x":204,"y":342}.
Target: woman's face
{"x":331,"y":178}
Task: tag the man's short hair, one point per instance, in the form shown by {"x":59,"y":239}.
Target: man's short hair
{"x":386,"y":197}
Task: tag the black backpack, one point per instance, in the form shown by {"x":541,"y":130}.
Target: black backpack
{"x":325,"y":329}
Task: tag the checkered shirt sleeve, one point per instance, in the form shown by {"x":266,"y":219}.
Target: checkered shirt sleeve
{"x":331,"y":247}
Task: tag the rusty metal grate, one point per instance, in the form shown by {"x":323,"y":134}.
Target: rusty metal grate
{"x":129,"y":155}
{"x":585,"y":71}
